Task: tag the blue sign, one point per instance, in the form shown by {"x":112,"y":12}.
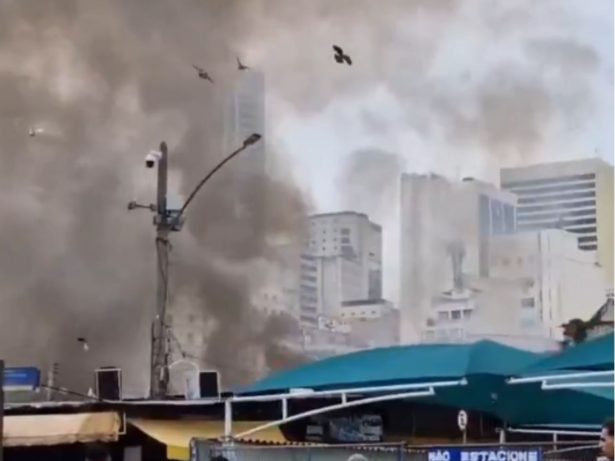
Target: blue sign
{"x":24,"y":378}
{"x":485,"y":454}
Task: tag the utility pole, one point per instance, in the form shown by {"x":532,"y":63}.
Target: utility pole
{"x":159,"y":373}
{"x":167,"y":221}
{"x":1,"y":408}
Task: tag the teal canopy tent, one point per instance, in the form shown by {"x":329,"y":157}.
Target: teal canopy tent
{"x":594,"y":355}
{"x":528,"y":404}
{"x":422,"y":363}
{"x":572,"y":387}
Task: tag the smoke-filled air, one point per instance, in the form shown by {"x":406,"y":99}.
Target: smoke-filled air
{"x":103,"y":82}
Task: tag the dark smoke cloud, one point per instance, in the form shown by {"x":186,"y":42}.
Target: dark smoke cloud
{"x":109,"y":80}
{"x":106,"y":82}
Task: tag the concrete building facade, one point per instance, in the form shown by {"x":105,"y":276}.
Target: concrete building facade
{"x":310,"y":297}
{"x":341,"y":305}
{"x":559,"y":281}
{"x":341,"y":261}
{"x":575,"y":195}
{"x":354,"y":237}
{"x":437,"y":215}
{"x":372,"y":322}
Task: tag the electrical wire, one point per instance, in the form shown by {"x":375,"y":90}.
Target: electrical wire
{"x":62,"y":390}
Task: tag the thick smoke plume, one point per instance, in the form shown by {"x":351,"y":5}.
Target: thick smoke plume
{"x":369,"y":183}
{"x":106,"y":81}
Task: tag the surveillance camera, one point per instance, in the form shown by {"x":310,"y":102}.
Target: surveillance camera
{"x":152,"y":157}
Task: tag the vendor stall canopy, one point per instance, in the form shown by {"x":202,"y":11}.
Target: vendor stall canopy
{"x":422,"y":363}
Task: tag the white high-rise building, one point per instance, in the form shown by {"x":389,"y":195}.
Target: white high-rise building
{"x":354,"y":237}
{"x":310,"y":296}
{"x":575,"y":195}
{"x":245,"y":115}
{"x":538,"y":281}
{"x":560,"y":282}
{"x":437,"y":215}
{"x":342,"y":261}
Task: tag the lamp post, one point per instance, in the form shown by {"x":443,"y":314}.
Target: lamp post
{"x":167,"y":221}
{"x":1,"y":408}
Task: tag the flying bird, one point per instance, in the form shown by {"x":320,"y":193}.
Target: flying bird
{"x":340,"y":56}
{"x":84,"y":343}
{"x":241,"y":66}
{"x":202,"y":74}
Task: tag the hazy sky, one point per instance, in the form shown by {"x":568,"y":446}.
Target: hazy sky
{"x":460,"y":87}
{"x":557,"y":56}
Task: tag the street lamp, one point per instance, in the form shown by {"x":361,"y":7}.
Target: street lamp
{"x":250,"y":140}
{"x":167,"y":221}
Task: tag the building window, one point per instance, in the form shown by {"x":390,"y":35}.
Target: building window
{"x":443,"y":315}
{"x":345,"y":231}
{"x":541,"y":182}
{"x":591,"y":238}
{"x":345,"y":240}
{"x":528,"y":302}
{"x":467,"y":313}
{"x":556,"y":189}
{"x":456,"y":315}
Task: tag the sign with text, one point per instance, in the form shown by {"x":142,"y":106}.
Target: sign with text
{"x":485,"y":454}
{"x":21,"y":378}
{"x":462,"y":420}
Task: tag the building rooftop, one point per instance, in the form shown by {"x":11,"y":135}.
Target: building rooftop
{"x":344,"y":213}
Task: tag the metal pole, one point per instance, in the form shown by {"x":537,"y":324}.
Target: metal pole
{"x":159,"y":372}
{"x":1,"y":409}
{"x":228,"y":419}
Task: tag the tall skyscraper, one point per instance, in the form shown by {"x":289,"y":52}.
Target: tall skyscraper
{"x":576,"y":196}
{"x":245,"y":114}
